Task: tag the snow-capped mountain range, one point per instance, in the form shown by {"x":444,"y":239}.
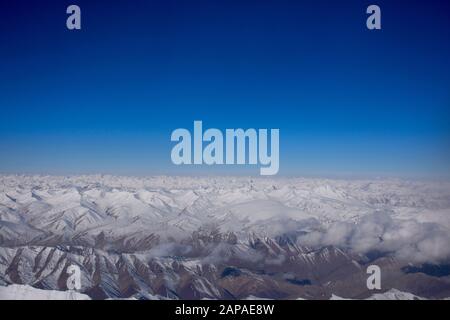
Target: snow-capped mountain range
{"x":25,"y":292}
{"x":225,"y":237}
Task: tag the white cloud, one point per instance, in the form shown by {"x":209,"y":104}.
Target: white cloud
{"x":405,"y":238}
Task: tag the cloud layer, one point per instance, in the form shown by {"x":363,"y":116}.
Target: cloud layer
{"x":405,"y":238}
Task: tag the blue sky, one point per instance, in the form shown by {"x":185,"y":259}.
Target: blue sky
{"x":105,"y":99}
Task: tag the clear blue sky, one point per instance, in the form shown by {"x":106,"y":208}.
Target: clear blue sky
{"x":347,"y":101}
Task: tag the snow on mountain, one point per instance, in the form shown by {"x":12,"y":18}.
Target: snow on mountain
{"x":392,"y":294}
{"x":222,"y":237}
{"x":135,"y":212}
{"x":24,"y":292}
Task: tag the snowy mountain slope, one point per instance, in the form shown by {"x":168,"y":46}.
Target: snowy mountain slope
{"x":392,"y":294}
{"x":21,"y":292}
{"x":224,"y":237}
{"x":25,"y":292}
